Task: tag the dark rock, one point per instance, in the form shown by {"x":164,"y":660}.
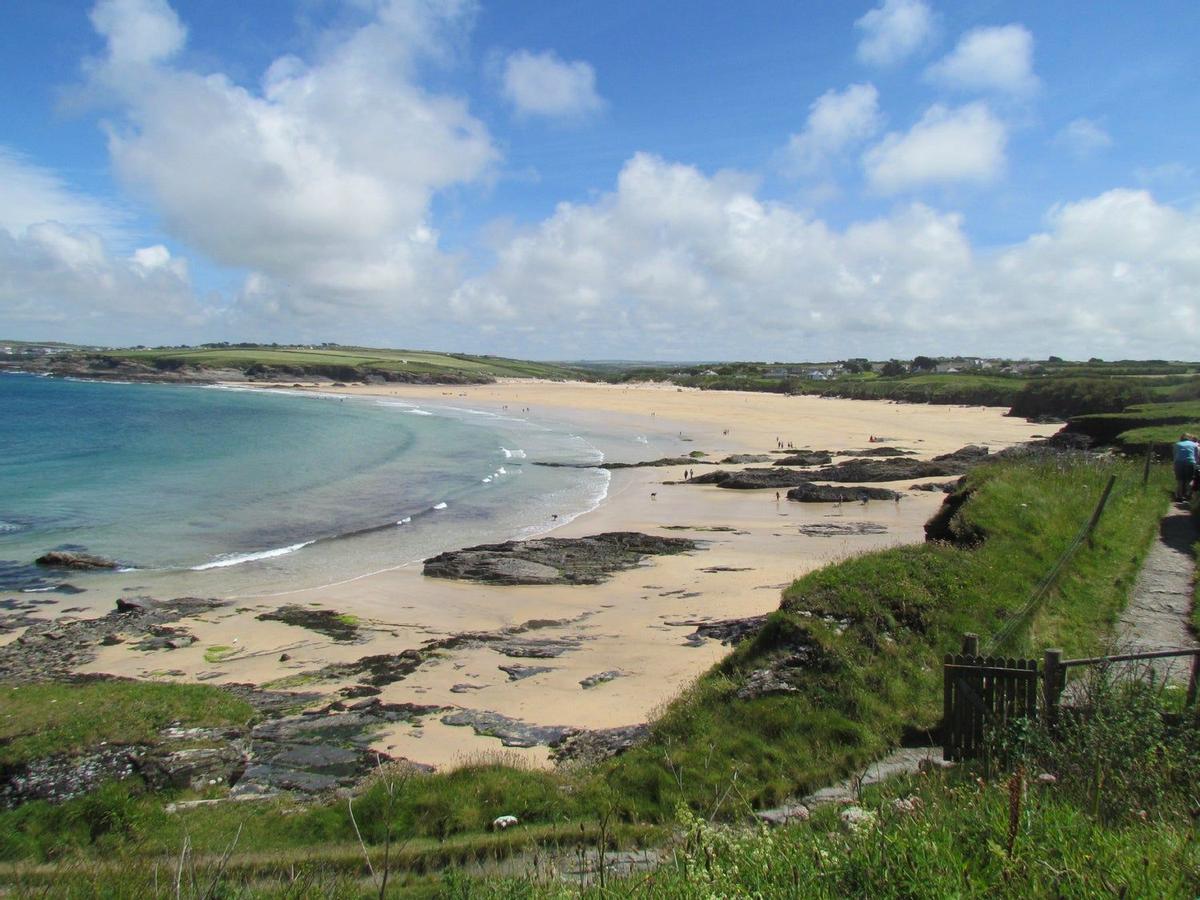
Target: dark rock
{"x":111,"y":640}
{"x":328,"y":622}
{"x":970,"y":453}
{"x":322,"y":751}
{"x":805,"y":459}
{"x":650,"y":463}
{"x":944,"y":486}
{"x":600,"y":678}
{"x":466,"y":688}
{"x":196,"y":768}
{"x":376,"y":670}
{"x":69,"y":559}
{"x":860,"y":470}
{"x":284,"y":657}
{"x":33,"y":658}
{"x":537,"y":648}
{"x":512,"y":732}
{"x":751,"y":479}
{"x":592,"y":746}
{"x":842,"y":529}
{"x":741,"y":459}
{"x":162,"y":637}
{"x":516,"y":671}
{"x":587,"y":560}
{"x":359,"y":690}
{"x":134,"y":604}
{"x":825,"y":493}
{"x":727,"y":631}
{"x":877,"y":451}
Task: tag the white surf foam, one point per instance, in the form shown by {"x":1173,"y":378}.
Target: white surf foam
{"x":237,"y":559}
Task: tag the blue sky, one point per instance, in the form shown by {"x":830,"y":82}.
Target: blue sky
{"x":606,"y":180}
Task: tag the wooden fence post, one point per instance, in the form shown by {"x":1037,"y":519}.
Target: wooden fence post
{"x":1191,"y":692}
{"x":1052,"y":683}
{"x":970,"y":644}
{"x":1146,"y":468}
{"x":1091,"y":525}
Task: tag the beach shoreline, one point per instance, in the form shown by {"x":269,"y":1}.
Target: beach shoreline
{"x":631,"y":630}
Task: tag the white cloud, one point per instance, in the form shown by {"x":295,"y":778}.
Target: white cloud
{"x":947,"y":145}
{"x":893,"y":31}
{"x":31,"y":194}
{"x":542,"y":84}
{"x":60,"y":276}
{"x":139,"y":32}
{"x":321,"y":179}
{"x":63,"y":283}
{"x":676,"y":264}
{"x":989,"y":59}
{"x":836,"y":120}
{"x":1083,"y":137}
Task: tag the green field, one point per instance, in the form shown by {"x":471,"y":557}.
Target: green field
{"x":1141,"y":425}
{"x":347,"y":360}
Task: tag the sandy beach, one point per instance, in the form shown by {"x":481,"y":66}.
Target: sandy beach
{"x":633,"y":628}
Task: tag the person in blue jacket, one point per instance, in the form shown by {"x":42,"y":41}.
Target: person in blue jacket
{"x":1186,"y":451}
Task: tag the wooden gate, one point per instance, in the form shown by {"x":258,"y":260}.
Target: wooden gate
{"x":982,"y":692}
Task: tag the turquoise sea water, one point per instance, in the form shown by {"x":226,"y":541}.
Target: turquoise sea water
{"x":280,"y":489}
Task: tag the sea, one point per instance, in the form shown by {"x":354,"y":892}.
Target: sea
{"x":259,"y":491}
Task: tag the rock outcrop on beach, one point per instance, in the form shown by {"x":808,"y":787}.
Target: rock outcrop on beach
{"x":586,"y":560}
{"x":830,"y":493}
{"x":727,"y":631}
{"x":511,"y":732}
{"x":751,"y":479}
{"x":587,"y":747}
{"x":72,"y":559}
{"x":55,"y":649}
{"x":662,"y":462}
{"x":329,"y":622}
{"x":741,"y":459}
{"x":842,"y":529}
{"x":877,"y":451}
{"x":814,"y":458}
{"x":849,"y":472}
{"x":896,"y":469}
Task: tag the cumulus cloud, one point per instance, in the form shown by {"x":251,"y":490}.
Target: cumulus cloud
{"x":64,"y":283}
{"x":1117,"y":271}
{"x":542,"y":84}
{"x":321,"y":178}
{"x":60,"y":275}
{"x":893,"y":31}
{"x":674,"y":263}
{"x":947,"y":145}
{"x":989,"y":59}
{"x":836,"y":120}
{"x":1083,"y":138}
{"x":139,"y":32}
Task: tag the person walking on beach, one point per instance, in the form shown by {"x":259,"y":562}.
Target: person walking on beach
{"x":1186,"y":451}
